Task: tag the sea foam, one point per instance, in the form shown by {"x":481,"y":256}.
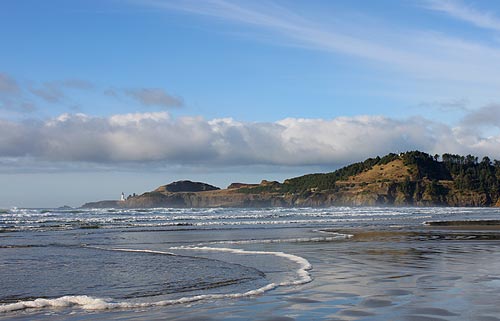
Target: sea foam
{"x":90,"y":303}
{"x":302,"y":271}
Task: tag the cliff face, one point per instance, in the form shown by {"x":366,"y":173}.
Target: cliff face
{"x":395,"y":180}
{"x":372,"y":194}
{"x":219,"y":198}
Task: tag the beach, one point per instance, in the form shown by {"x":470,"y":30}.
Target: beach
{"x":250,"y":264}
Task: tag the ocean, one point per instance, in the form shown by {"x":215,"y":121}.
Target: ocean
{"x":338,"y":263}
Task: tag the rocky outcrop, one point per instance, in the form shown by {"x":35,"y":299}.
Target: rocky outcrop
{"x":186,"y":186}
{"x":241,"y":185}
{"x":219,"y":198}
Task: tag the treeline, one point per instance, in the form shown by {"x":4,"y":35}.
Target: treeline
{"x":471,"y":174}
{"x":425,"y":165}
{"x":467,"y":172}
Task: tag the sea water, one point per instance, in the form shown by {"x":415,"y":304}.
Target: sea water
{"x":342,"y":263}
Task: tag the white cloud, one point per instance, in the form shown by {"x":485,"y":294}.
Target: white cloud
{"x":158,"y":139}
{"x":136,"y":118}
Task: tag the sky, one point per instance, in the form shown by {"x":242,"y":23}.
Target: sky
{"x":99,"y":97}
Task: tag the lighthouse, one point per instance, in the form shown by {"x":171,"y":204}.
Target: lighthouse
{"x":122,"y":197}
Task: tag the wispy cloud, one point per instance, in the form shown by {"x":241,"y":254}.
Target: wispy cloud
{"x":55,"y":91}
{"x":459,"y":10}
{"x":427,"y":57}
{"x":154,"y":97}
{"x":12,"y":97}
{"x":285,"y":23}
{"x":21,"y":97}
{"x":8,"y":85}
{"x":77,"y":84}
{"x":447,"y":105}
{"x":50,"y":92}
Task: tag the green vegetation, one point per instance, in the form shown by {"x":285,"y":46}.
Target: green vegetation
{"x":327,"y":181}
{"x":321,"y":182}
{"x":469,"y":174}
{"x":431,"y":179}
{"x":426,"y":166}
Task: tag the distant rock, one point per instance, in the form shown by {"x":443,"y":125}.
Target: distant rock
{"x":186,"y":186}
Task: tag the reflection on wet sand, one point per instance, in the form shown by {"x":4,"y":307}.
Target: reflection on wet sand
{"x":426,"y":274}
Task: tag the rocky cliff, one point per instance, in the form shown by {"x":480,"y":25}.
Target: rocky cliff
{"x":409,"y":179}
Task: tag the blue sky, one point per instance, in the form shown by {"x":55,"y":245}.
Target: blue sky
{"x":99,"y":97}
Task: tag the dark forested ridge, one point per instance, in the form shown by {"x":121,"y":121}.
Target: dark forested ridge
{"x":410,"y":179}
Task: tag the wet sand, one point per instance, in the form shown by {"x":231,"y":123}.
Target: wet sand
{"x":407,"y":275}
{"x":472,"y":225}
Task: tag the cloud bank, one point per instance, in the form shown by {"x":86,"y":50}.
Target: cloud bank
{"x":158,"y":138}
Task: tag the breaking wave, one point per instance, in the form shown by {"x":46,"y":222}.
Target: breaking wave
{"x":90,"y":303}
{"x":19,"y":219}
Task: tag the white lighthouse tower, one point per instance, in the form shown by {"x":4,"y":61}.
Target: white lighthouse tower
{"x":122,"y":197}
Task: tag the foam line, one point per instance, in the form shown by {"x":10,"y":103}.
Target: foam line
{"x":134,"y":250}
{"x":337,"y":237}
{"x":304,"y":265}
{"x":86,"y":302}
{"x":129,"y":250}
{"x":89,"y":303}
